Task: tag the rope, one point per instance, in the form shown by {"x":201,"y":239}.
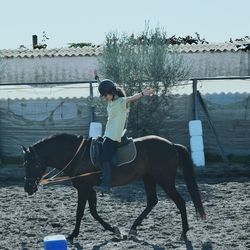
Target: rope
{"x":61,"y":171}
{"x":65,"y":178}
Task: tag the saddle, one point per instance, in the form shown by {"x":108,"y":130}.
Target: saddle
{"x":126,"y":152}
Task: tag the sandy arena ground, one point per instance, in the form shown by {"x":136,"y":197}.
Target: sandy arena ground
{"x":26,"y":220}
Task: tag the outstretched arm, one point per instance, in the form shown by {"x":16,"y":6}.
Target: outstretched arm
{"x":145,"y":92}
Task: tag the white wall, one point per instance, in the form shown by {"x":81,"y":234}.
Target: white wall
{"x":42,"y":69}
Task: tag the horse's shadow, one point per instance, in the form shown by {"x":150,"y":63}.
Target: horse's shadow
{"x":145,"y":243}
{"x":77,"y":246}
{"x":188,"y":243}
{"x":104,"y":243}
{"x":207,"y":246}
{"x":96,"y":247}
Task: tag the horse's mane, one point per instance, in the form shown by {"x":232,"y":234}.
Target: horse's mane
{"x":53,"y":137}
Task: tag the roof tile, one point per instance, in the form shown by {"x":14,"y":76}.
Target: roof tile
{"x":97,"y":50}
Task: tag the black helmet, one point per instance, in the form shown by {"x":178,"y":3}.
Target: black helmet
{"x":106,"y":87}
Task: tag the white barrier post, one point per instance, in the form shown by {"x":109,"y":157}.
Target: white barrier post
{"x":196,"y":143}
{"x":95,"y":129}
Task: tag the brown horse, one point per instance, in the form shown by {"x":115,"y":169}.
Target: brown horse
{"x":156,"y":163}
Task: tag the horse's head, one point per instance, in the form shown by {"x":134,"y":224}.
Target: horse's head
{"x":34,"y":170}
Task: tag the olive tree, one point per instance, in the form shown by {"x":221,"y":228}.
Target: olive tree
{"x":137,"y":62}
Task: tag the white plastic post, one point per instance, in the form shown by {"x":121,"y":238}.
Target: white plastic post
{"x":196,"y":143}
{"x":198,"y":158}
{"x":95,"y":129}
{"x":195,"y":127}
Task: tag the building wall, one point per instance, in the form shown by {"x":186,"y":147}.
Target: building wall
{"x":211,"y":64}
{"x":49,"y":69}
{"x":44,"y":69}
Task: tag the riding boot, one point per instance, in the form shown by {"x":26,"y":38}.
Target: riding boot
{"x":106,"y":179}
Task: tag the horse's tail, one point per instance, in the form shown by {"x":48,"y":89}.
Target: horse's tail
{"x":185,"y":162}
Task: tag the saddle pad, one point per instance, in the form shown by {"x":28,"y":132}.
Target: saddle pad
{"x":125,"y":153}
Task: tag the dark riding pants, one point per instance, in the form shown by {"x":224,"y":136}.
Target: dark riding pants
{"x":109,"y":148}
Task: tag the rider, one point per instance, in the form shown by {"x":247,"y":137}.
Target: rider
{"x":117,"y":109}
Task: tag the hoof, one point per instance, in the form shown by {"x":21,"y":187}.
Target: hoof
{"x":125,"y":237}
{"x":71,"y":237}
{"x":117,"y":232}
{"x":132,"y":234}
{"x":183,"y":236}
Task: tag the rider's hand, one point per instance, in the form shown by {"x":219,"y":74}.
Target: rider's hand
{"x":148,"y":91}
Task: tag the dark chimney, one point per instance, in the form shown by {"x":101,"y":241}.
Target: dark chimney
{"x":34,"y":41}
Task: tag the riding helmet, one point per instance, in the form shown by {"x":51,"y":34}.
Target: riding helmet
{"x":107,"y":86}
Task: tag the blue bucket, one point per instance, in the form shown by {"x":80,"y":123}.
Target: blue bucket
{"x":55,"y":242}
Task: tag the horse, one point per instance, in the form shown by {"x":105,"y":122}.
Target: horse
{"x":156,"y":163}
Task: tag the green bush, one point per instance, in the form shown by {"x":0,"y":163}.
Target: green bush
{"x":137,"y":62}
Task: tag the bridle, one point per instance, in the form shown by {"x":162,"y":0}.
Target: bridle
{"x":38,"y":178}
{"x":55,"y":179}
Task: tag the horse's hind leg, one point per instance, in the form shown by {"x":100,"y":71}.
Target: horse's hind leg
{"x":170,"y":189}
{"x":150,"y":188}
{"x":92,"y":200}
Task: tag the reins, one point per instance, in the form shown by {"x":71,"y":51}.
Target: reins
{"x":65,"y":178}
{"x":56,"y":179}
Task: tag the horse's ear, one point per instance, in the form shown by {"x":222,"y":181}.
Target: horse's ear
{"x":24,"y":149}
{"x":31,"y":150}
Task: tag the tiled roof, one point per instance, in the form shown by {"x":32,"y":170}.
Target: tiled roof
{"x":97,"y":50}
{"x":212,"y":47}
{"x":30,"y":53}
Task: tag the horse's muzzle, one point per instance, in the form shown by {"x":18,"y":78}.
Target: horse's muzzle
{"x":30,"y":187}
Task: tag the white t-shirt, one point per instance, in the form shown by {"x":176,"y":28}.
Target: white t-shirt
{"x":117,"y":114}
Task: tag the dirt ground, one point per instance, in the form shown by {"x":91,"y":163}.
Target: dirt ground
{"x":26,"y":220}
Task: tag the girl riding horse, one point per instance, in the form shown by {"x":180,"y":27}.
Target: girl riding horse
{"x":117,"y":109}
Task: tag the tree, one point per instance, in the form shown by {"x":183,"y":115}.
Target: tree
{"x":136,"y":62}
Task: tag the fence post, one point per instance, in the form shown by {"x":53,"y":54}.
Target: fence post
{"x":91,"y":108}
{"x":195,"y":98}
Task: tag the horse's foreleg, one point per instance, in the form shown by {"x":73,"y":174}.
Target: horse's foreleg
{"x":150,"y":188}
{"x":92,"y":200}
{"x":81,"y":203}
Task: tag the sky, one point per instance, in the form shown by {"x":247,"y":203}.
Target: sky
{"x":89,"y":21}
